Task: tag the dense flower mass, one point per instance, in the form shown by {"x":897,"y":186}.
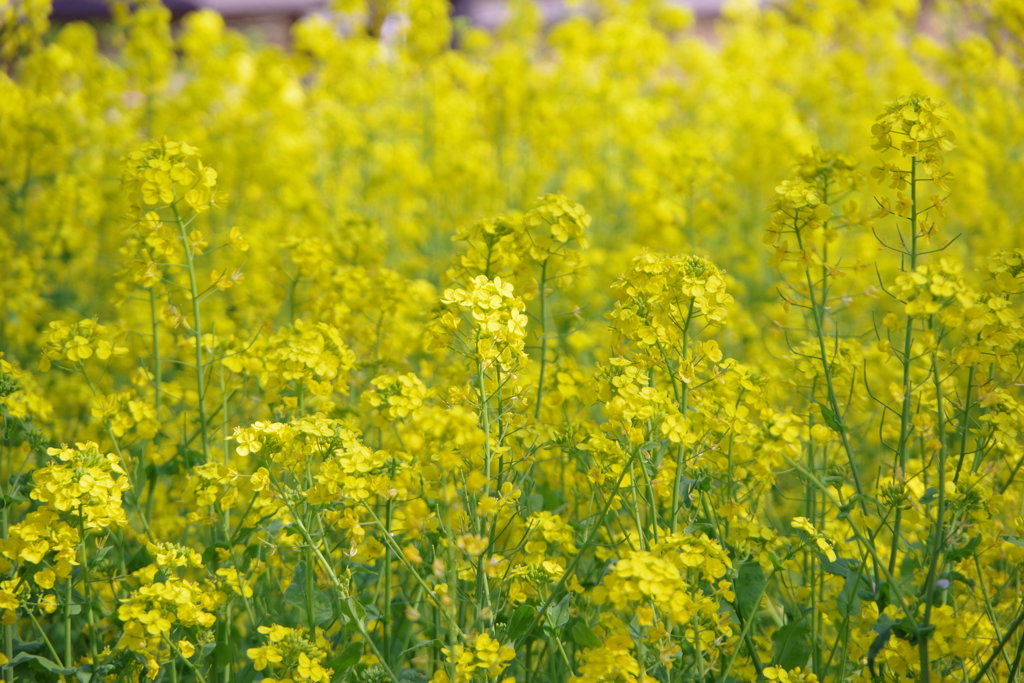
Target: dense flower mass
{"x":616,"y":349}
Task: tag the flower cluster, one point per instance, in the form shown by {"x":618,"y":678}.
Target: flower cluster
{"x":78,"y":342}
{"x":497,"y":320}
{"x":165,"y":172}
{"x":664,"y":295}
{"x":85,"y":483}
{"x":482,"y":657}
{"x":164,"y":619}
{"x":291,"y":655}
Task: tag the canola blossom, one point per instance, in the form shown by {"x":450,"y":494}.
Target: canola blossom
{"x":611,"y":350}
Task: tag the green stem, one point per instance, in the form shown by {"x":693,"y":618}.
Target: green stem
{"x":940,"y":532}
{"x":591,"y":538}
{"x":908,"y":344}
{"x":865,"y":543}
{"x":999,"y":648}
{"x":69,"y":652}
{"x":543,"y":335}
{"x":565,"y":657}
{"x":88,"y":592}
{"x":158,"y":380}
{"x":682,"y":397}
{"x":185,"y":660}
{"x":699,"y":651}
{"x":197,"y":331}
{"x":746,"y":629}
{"x":818,"y":314}
{"x":964,"y":427}
{"x":335,"y":582}
{"x":9,"y":629}
{"x":42,"y":634}
{"x":401,"y":558}
{"x":386,"y":612}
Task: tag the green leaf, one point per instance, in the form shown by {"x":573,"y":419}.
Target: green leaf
{"x":876,"y":648}
{"x":582,"y":634}
{"x":295,"y":595}
{"x":247,"y":675}
{"x":41,"y":664}
{"x":436,"y":642}
{"x":706,"y":528}
{"x":349,"y":657}
{"x":957,"y":576}
{"x":222,"y":651}
{"x":843,"y":566}
{"x":831,"y":420}
{"x":964,"y":551}
{"x":749,"y":585}
{"x":790,"y":644}
{"x":31,"y":647}
{"x":210,"y":554}
{"x":883,"y":625}
{"x":558,"y":615}
{"x":353,"y":609}
{"x":847,"y":602}
{"x":534,"y":503}
{"x":520,"y":621}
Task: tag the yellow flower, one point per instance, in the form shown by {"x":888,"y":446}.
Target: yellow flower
{"x":263,"y":656}
{"x":186,"y":649}
{"x":45,"y":578}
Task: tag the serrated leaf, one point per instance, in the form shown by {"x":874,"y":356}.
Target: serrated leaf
{"x":583,"y":636}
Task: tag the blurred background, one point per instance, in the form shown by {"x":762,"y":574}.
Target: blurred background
{"x":271,"y":20}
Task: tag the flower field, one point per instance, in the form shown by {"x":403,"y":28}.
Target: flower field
{"x":611,"y":350}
